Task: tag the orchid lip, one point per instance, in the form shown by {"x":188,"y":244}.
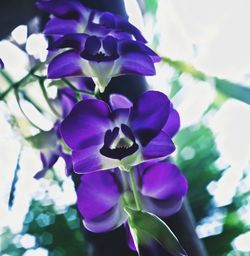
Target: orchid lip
{"x":118,"y":145}
{"x":100,"y":50}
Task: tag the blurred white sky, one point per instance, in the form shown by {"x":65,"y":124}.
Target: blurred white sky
{"x":213,"y":35}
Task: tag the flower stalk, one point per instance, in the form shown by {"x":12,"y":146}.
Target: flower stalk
{"x":134,"y":190}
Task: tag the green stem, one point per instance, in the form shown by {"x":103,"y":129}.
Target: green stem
{"x":41,"y":82}
{"x":134,"y":190}
{"x":124,"y":181}
{"x":6,"y":76}
{"x":20,"y":107}
{"x":19,"y":83}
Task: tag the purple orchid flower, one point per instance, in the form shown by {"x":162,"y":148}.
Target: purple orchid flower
{"x":101,"y":58}
{"x":71,"y":16}
{"x":65,"y":101}
{"x":101,"y":138}
{"x":101,"y":195}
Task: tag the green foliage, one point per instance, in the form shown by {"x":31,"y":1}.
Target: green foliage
{"x":224,"y":87}
{"x":43,"y":140}
{"x":60,"y":234}
{"x":146,"y":227}
{"x":151,"y":6}
{"x":233,"y":90}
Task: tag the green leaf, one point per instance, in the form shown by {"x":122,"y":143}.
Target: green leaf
{"x":151,"y":6}
{"x":183,"y":67}
{"x":233,"y":90}
{"x":146,"y":226}
{"x":43,"y":140}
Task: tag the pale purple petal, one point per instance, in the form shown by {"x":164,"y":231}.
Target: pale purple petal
{"x":119,"y":101}
{"x":57,"y":26}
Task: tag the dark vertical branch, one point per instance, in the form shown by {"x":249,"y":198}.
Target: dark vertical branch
{"x":183,"y":226}
{"x":182,"y":223}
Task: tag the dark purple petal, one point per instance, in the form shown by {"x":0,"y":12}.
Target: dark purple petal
{"x":129,"y":46}
{"x":99,"y":197}
{"x":86,"y":124}
{"x":119,"y":101}
{"x":65,"y":9}
{"x":123,"y":25}
{"x":160,"y":146}
{"x":1,"y":64}
{"x":110,"y":45}
{"x":130,"y":239}
{"x":173,"y":123}
{"x":68,"y":161}
{"x":57,"y":26}
{"x":67,"y":100}
{"x":74,"y":41}
{"x":65,"y":64}
{"x":163,"y":188}
{"x":149,"y":115}
{"x":82,"y":83}
{"x":48,"y":159}
{"x":107,"y":19}
{"x":136,"y":63}
{"x":92,"y":45}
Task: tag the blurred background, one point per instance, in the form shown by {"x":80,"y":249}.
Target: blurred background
{"x":205,"y":70}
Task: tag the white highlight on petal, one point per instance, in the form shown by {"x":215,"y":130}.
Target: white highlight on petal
{"x":37,"y":46}
{"x":19,"y":34}
{"x":16,"y":61}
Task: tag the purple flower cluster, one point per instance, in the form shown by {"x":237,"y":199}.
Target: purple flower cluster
{"x":94,"y":44}
{"x":121,"y":149}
